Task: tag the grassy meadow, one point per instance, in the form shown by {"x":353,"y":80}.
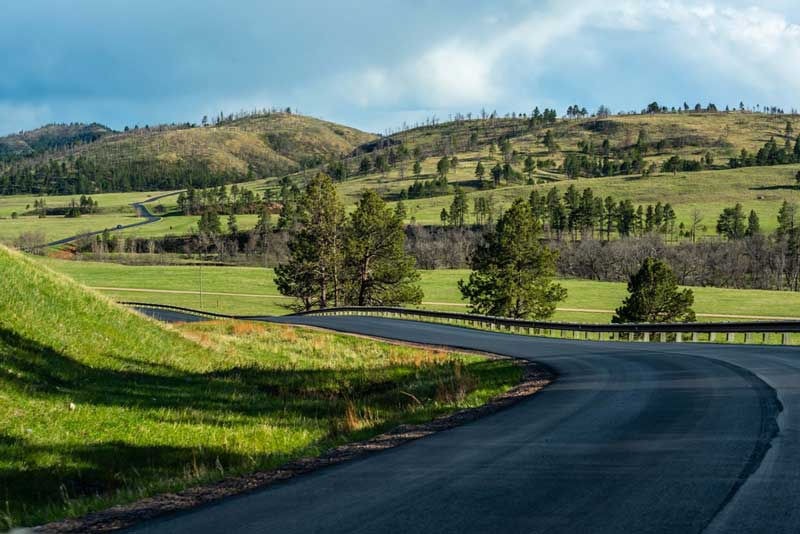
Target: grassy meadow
{"x":99,"y":405}
{"x":252,"y":291}
{"x":231,"y":146}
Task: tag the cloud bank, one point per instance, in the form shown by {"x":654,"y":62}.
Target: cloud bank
{"x":376,"y":66}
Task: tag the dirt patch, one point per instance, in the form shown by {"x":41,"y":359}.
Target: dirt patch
{"x":535,"y":377}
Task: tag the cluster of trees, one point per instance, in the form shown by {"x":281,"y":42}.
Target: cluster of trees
{"x":770,"y":153}
{"x":583,"y":214}
{"x":218,"y":199}
{"x":84,"y":175}
{"x":75,"y":208}
{"x":83,"y":206}
{"x":512,"y":276}
{"x":427,"y":188}
{"x":337,"y":260}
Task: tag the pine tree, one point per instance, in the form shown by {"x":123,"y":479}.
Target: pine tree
{"x":753,"y":224}
{"x":655,"y":297}
{"x":731,"y":222}
{"x":313,"y":273}
{"x":443,"y":167}
{"x":458,"y":208}
{"x":233,"y":227}
{"x":480,"y":171}
{"x":512,"y":271}
{"x":379,"y":272}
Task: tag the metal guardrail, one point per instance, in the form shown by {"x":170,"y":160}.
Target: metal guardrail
{"x":677,"y":332}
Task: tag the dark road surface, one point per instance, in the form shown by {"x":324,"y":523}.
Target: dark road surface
{"x":630,"y":438}
{"x":141,"y":211}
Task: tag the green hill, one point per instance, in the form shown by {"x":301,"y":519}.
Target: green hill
{"x":51,"y":137}
{"x":99,"y":405}
{"x":172,"y":157}
{"x":689,"y":136}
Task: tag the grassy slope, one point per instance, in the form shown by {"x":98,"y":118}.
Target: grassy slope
{"x":439,"y":288}
{"x":278,"y":143}
{"x":723,"y":134}
{"x":99,"y":405}
{"x":762,"y":189}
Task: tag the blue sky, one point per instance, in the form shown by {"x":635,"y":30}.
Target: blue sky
{"x":377,"y":64}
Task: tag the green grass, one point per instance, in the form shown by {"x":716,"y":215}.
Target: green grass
{"x":233,"y":146}
{"x":440,"y":289}
{"x":106,"y":201}
{"x":99,"y":405}
{"x":759,"y":188}
{"x":55,"y":228}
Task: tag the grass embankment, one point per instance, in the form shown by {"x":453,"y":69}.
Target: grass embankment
{"x":99,"y":405}
{"x":252,"y":291}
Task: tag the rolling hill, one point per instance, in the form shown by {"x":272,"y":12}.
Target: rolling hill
{"x":51,"y":137}
{"x":170,"y":157}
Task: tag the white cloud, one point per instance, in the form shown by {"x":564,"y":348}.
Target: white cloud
{"x":750,"y":47}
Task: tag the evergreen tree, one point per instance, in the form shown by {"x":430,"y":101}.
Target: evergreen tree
{"x":458,"y":208}
{"x":480,"y":171}
{"x":512,"y":271}
{"x":529,"y":166}
{"x":417,"y":168}
{"x":654,"y":297}
{"x":497,"y":174}
{"x":753,"y":224}
{"x":233,"y":227}
{"x":209,"y":224}
{"x":731,"y":222}
{"x":313,"y":273}
{"x":379,"y":272}
{"x":443,"y":167}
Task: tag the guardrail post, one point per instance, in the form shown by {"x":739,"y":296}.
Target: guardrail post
{"x":748,"y":338}
{"x":711,"y":337}
{"x":576,"y":334}
{"x":662,"y":337}
{"x":678,"y":337}
{"x":646,"y":337}
{"x":694,"y":337}
{"x":786,"y":338}
{"x":766,"y":338}
{"x":731,"y":337}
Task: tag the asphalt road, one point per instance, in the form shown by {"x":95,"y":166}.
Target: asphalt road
{"x":648,"y":438}
{"x":141,"y":211}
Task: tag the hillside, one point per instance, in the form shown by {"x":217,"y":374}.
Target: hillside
{"x":165,"y":158}
{"x":693,"y":137}
{"x":99,"y":405}
{"x":51,"y":137}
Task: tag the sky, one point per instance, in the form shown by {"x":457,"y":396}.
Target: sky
{"x":378,"y":64}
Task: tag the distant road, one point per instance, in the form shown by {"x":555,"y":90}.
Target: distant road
{"x":141,"y":211}
{"x":448,"y":304}
{"x":631,"y":437}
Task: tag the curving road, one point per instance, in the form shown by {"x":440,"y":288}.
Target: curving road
{"x":141,"y":211}
{"x":649,"y":438}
